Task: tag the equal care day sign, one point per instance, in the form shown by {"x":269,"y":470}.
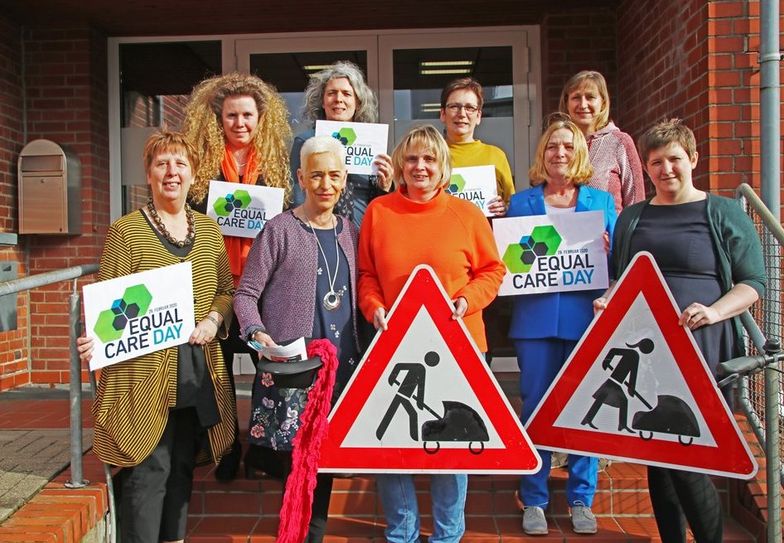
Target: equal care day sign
{"x":139,"y":313}
{"x":552,"y":253}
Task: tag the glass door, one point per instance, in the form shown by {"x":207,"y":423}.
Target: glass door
{"x":415,"y":67}
{"x":287,"y":63}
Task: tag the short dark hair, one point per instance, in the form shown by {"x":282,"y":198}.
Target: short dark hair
{"x":461,"y":83}
{"x":664,"y":133}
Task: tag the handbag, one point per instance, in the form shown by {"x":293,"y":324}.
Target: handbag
{"x":293,"y":373}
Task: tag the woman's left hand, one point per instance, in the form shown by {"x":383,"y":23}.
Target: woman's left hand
{"x":496,"y":206}
{"x":698,"y":315}
{"x":383,"y":164}
{"x":461,"y":306}
{"x":205,"y":332}
{"x":606,"y":239}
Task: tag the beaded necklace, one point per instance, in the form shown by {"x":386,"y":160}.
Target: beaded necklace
{"x":156,"y":219}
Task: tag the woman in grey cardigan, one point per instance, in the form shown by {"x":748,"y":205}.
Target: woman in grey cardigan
{"x":299,"y":281}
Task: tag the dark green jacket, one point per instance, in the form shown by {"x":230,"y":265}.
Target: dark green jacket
{"x":734,"y":236}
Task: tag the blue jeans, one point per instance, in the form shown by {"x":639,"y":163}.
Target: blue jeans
{"x":540,"y":360}
{"x":448,"y":494}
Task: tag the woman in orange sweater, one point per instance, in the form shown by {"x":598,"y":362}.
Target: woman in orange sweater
{"x":453,"y":237}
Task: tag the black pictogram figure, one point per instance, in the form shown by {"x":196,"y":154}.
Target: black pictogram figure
{"x":412,"y":388}
{"x":623,"y":374}
{"x":458,"y":423}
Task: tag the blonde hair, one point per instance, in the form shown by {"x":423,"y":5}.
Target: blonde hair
{"x":168,"y":142}
{"x":580,"y":79}
{"x":422,"y":137}
{"x":203,"y":127}
{"x":664,"y":133}
{"x":580,"y":169}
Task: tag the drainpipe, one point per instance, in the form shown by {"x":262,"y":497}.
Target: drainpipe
{"x":770,"y":156}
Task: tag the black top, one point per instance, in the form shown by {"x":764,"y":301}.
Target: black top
{"x":679,"y":239}
{"x":194,"y":385}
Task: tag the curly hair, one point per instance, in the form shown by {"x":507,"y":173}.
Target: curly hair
{"x":367,"y":103}
{"x":203,"y":127}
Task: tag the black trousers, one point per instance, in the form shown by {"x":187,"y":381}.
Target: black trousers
{"x":154,"y":495}
{"x":321,"y":496}
{"x":675,"y":494}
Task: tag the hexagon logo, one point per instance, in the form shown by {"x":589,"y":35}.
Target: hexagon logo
{"x":111,"y":322}
{"x":239,"y":199}
{"x":543,"y":241}
{"x":345,"y":135}
{"x":456,"y":184}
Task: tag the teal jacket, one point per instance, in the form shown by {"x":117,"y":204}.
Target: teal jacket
{"x":734,"y":237}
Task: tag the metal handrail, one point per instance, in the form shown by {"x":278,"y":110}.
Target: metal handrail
{"x":770,"y":437}
{"x":75,"y":386}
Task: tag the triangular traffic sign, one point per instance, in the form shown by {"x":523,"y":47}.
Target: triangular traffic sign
{"x":637,"y":388}
{"x":423,"y":400}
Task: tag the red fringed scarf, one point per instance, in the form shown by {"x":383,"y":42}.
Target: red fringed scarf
{"x":298,"y":497}
{"x":238,"y":248}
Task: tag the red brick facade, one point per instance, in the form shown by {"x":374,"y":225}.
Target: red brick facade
{"x":688,"y":58}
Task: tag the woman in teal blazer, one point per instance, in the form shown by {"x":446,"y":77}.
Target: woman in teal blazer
{"x":546,"y":327}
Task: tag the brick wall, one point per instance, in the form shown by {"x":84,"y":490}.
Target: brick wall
{"x":67,"y":103}
{"x":14,"y":353}
{"x":696,"y":60}
{"x":573,"y":41}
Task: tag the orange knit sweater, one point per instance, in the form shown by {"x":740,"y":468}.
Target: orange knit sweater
{"x":448,"y":234}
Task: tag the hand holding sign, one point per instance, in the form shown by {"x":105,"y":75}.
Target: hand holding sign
{"x":365,"y":143}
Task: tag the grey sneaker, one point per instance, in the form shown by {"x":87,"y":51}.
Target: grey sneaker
{"x":534,"y":522}
{"x":583,"y":520}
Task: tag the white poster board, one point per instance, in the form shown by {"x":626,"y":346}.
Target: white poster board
{"x":139,"y":313}
{"x":242,"y":210}
{"x":552,"y":253}
{"x":475,"y":184}
{"x":363,"y":141}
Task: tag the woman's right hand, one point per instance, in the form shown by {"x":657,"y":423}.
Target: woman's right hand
{"x":263,"y":339}
{"x":85,"y":346}
{"x":380,"y":319}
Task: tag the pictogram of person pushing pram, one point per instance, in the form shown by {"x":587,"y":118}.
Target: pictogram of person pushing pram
{"x":458,"y":423}
{"x":623,"y":374}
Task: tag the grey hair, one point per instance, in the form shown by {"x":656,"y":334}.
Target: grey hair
{"x":367,"y":103}
{"x":322,"y":144}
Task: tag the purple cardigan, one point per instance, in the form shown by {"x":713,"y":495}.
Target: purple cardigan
{"x":279,"y":279}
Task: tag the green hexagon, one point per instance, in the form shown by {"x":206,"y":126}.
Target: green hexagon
{"x":346,"y":135}
{"x":513,"y":259}
{"x":139,"y":295}
{"x":104,"y":327}
{"x":243,"y":197}
{"x":456,"y":183}
{"x":222,"y":207}
{"x":548,"y":235}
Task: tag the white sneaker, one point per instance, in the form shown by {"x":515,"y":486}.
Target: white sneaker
{"x":534,"y":522}
{"x":583,"y":520}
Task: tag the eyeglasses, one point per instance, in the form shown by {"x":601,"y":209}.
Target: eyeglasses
{"x":470,"y":109}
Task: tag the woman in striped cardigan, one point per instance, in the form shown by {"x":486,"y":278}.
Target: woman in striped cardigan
{"x":158,"y":414}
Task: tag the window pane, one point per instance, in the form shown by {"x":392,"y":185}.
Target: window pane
{"x":421,"y":74}
{"x":155,"y":82}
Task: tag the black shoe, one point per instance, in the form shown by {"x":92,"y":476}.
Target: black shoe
{"x":229,"y":464}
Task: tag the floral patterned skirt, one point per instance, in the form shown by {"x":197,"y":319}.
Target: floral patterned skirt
{"x":275,"y":413}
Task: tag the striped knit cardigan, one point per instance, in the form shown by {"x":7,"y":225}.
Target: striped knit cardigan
{"x":132,"y":404}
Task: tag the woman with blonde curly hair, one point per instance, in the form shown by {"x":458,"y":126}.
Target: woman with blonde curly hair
{"x":238,"y":125}
{"x":340,"y":93}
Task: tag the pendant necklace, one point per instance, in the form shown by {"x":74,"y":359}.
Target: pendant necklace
{"x":331,"y":300}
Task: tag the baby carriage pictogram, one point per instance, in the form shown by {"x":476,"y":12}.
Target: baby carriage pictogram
{"x":459,"y":422}
{"x":670,"y":416}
